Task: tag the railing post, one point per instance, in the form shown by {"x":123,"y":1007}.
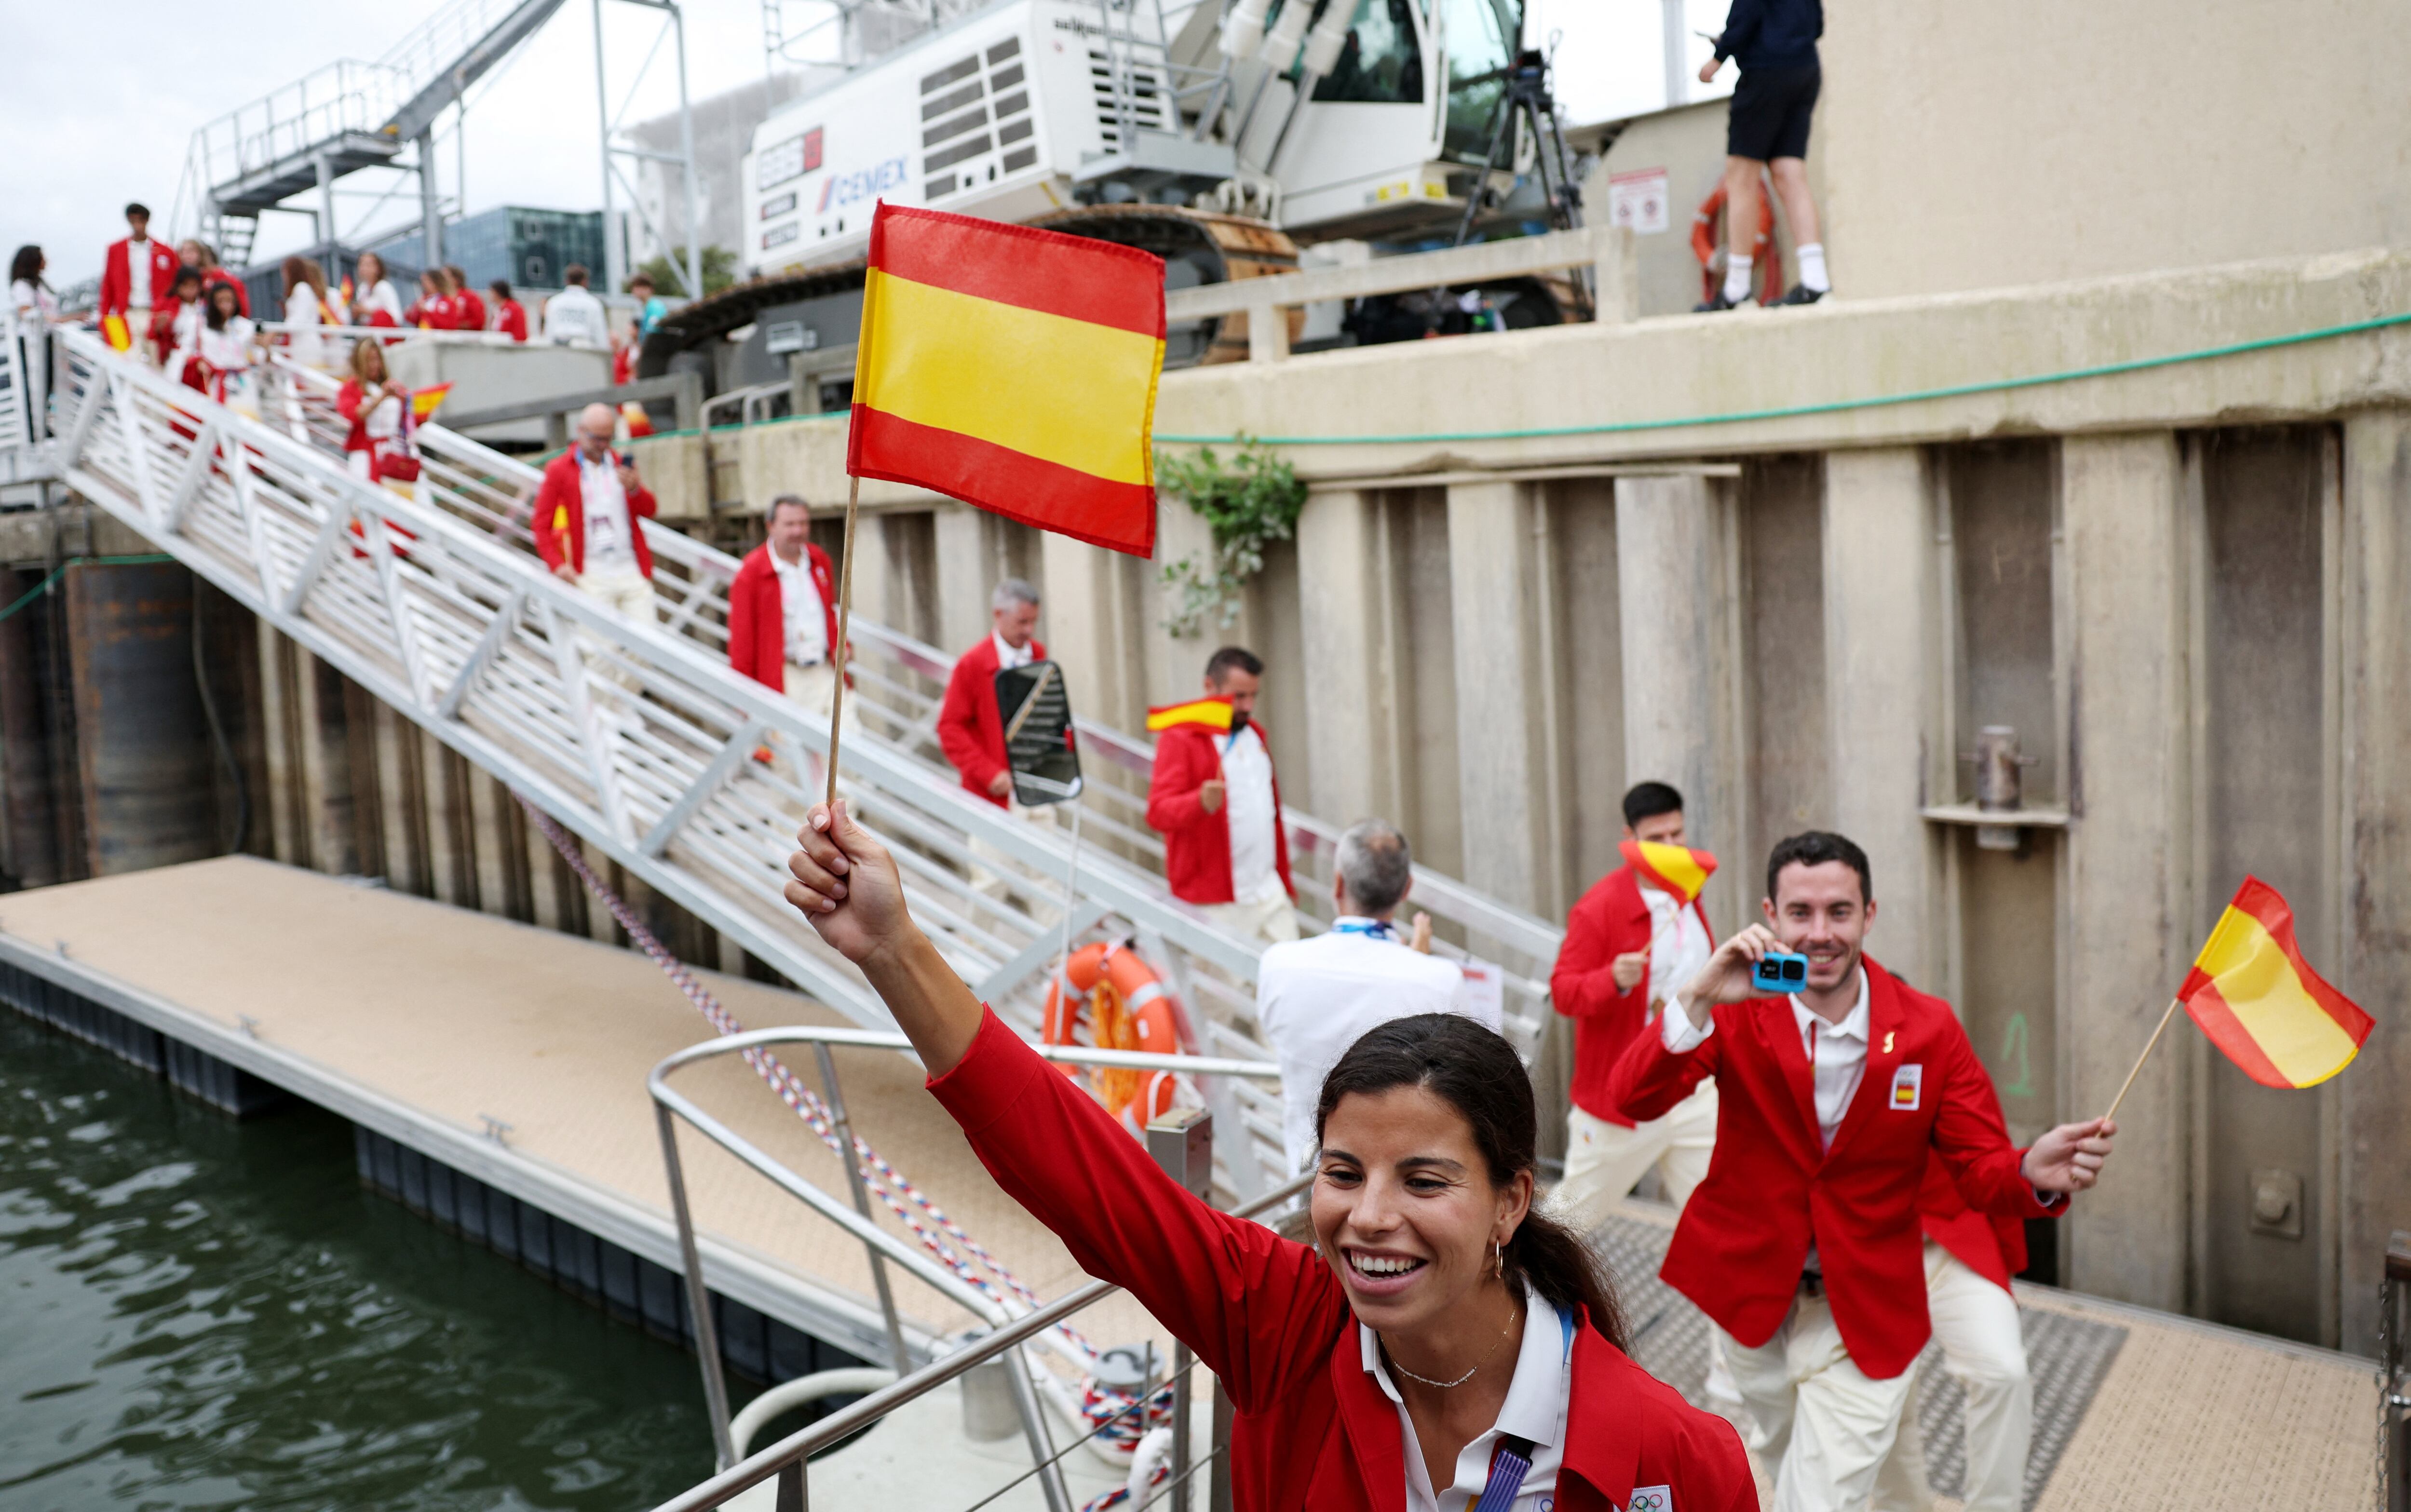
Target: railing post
{"x":1182,"y":1143}
{"x":897,"y":1357}
{"x":698,"y":1296}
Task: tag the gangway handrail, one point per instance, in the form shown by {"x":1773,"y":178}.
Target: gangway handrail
{"x":1007,"y":1331}
{"x":406,"y":334}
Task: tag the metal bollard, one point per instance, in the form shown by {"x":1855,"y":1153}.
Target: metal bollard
{"x":989,"y":1412}
{"x":1182,"y":1143}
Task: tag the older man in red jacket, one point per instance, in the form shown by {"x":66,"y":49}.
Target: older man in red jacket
{"x":1217,"y":804}
{"x":1804,"y":1243}
{"x":971,"y":730}
{"x":782,"y":619}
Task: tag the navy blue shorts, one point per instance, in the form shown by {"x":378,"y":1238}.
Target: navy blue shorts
{"x":1769,"y":113}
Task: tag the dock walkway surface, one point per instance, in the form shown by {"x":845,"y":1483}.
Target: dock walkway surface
{"x":421,"y":1022}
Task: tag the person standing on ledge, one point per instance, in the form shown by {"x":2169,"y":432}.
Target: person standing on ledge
{"x":1804,"y":1245}
{"x":1215,"y":801}
{"x":1766,"y":131}
{"x":1439,"y":1342}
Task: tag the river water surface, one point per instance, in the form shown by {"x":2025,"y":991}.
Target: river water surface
{"x":198,"y":1312}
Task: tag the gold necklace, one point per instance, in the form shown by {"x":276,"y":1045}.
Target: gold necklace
{"x":1442,"y":1386}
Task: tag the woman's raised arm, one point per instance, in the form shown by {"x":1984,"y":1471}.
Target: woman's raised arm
{"x":846,"y":884}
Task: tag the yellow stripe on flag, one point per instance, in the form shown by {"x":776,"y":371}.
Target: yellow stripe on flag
{"x":1214,"y":713}
{"x":957,"y":362}
{"x":1683,"y":870}
{"x":2257,"y":984}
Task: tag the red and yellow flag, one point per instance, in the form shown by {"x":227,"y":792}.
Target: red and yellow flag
{"x":424,"y":402}
{"x":115,"y":331}
{"x":2262,"y":1004}
{"x":1012,"y":368}
{"x":1675,"y":869}
{"x":1213,"y":714}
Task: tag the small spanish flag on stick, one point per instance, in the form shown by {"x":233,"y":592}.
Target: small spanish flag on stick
{"x":1012,"y":368}
{"x":425,"y":402}
{"x":114,"y":330}
{"x":2260,"y":1003}
{"x":1676,"y":871}
{"x":1213,"y":714}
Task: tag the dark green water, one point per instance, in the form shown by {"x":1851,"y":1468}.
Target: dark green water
{"x":196,"y":1313}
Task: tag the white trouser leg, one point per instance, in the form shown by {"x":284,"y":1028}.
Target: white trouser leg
{"x":1270,"y":920}
{"x":1900,"y":1485}
{"x":813,"y":690}
{"x":1822,"y":1424}
{"x":1046,"y":906}
{"x":1603,"y":1162}
{"x":628,"y":595}
{"x":1975,"y":1323}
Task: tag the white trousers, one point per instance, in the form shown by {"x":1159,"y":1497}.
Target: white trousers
{"x":1269,"y":919}
{"x":1984,"y":1349}
{"x":629,"y":595}
{"x":1605,"y":1161}
{"x":813,"y":690}
{"x":1045,"y":907}
{"x":1821,"y":1425}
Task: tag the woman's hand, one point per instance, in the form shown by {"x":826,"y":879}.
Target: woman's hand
{"x":846,"y":884}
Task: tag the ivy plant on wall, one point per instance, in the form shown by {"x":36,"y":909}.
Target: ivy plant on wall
{"x":1253,"y":501}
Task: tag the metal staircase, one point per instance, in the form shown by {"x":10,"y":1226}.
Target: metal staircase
{"x":641,"y":740}
{"x":344,"y":117}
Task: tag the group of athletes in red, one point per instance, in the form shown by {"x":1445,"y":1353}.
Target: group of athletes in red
{"x":1449,"y":1341}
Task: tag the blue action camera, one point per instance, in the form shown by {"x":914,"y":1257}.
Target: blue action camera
{"x":1778,"y":972}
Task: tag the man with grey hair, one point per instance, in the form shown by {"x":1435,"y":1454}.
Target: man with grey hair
{"x":1315,"y":996}
{"x":587,"y":515}
{"x":971,"y":729}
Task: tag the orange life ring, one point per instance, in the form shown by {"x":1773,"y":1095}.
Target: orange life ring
{"x":1116,"y":1002}
{"x":1708,"y":236}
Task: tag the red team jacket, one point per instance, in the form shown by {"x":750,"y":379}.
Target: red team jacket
{"x":560,"y":522}
{"x":1267,"y":1318}
{"x":1739,"y":1245}
{"x":1610,"y":921}
{"x":1196,"y":844}
{"x":757,"y":614}
{"x":510,"y":318}
{"x":117,"y":279}
{"x":969,"y":727}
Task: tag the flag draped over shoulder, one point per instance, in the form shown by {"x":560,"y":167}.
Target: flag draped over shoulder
{"x":2260,"y":1003}
{"x":1213,"y":714}
{"x":1013,"y":369}
{"x":1676,"y":871}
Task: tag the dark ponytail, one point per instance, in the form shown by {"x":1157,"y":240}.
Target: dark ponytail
{"x":1476,"y":1072}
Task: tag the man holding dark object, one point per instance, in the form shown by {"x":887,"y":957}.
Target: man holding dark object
{"x":969,"y":729}
{"x":1767,"y":132}
{"x":1804,"y":1245}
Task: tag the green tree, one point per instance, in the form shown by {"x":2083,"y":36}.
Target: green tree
{"x":669,"y":274}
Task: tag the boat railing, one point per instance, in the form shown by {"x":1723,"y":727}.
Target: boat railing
{"x":1187,"y":1133}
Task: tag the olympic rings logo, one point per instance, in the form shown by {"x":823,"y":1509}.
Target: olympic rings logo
{"x":1651,"y":1499}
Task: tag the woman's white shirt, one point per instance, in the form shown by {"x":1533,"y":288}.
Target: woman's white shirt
{"x":303,"y":342}
{"x":32,"y":300}
{"x":227,"y":350}
{"x":189,"y":323}
{"x":1535,"y":1409}
{"x":379,"y":295}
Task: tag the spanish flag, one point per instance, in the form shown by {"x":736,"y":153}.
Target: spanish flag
{"x":115,"y":331}
{"x":1012,"y":368}
{"x":1213,"y":714}
{"x":424,"y":402}
{"x":2260,"y":1003}
{"x":1675,"y":869}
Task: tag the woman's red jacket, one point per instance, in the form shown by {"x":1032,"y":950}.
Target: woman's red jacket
{"x":1311,"y":1428}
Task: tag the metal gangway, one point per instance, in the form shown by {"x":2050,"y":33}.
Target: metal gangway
{"x":641,"y":740}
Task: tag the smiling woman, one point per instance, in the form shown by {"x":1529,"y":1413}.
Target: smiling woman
{"x":1440,"y":1343}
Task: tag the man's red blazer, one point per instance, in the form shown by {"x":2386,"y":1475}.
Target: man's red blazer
{"x":1771,"y":1189}
{"x":971,"y":730}
{"x":1610,"y":921}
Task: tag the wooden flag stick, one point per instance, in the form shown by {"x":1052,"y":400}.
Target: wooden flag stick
{"x":2149,"y":1046}
{"x":844,"y":624}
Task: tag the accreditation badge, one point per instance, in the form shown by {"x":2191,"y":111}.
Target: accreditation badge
{"x":1907,"y":1087}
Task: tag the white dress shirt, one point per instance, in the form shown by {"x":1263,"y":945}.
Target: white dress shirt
{"x":1009,"y":657}
{"x":608,"y":547}
{"x":137,"y":276}
{"x":379,"y":296}
{"x":1535,"y":1409}
{"x":799,"y":604}
{"x":1680,"y":943}
{"x":1315,"y":996}
{"x":1248,"y":788}
{"x":1837,"y":1052}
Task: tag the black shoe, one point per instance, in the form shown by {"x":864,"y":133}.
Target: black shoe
{"x":1720,"y":303}
{"x":1803,"y":294}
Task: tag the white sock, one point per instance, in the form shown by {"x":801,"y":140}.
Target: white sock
{"x":1812,"y":268}
{"x":1737,"y":276}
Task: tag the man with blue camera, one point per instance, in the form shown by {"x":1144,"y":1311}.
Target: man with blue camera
{"x":1835,"y":1089}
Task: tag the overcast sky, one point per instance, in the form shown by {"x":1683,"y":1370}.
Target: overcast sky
{"x":104,"y":98}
